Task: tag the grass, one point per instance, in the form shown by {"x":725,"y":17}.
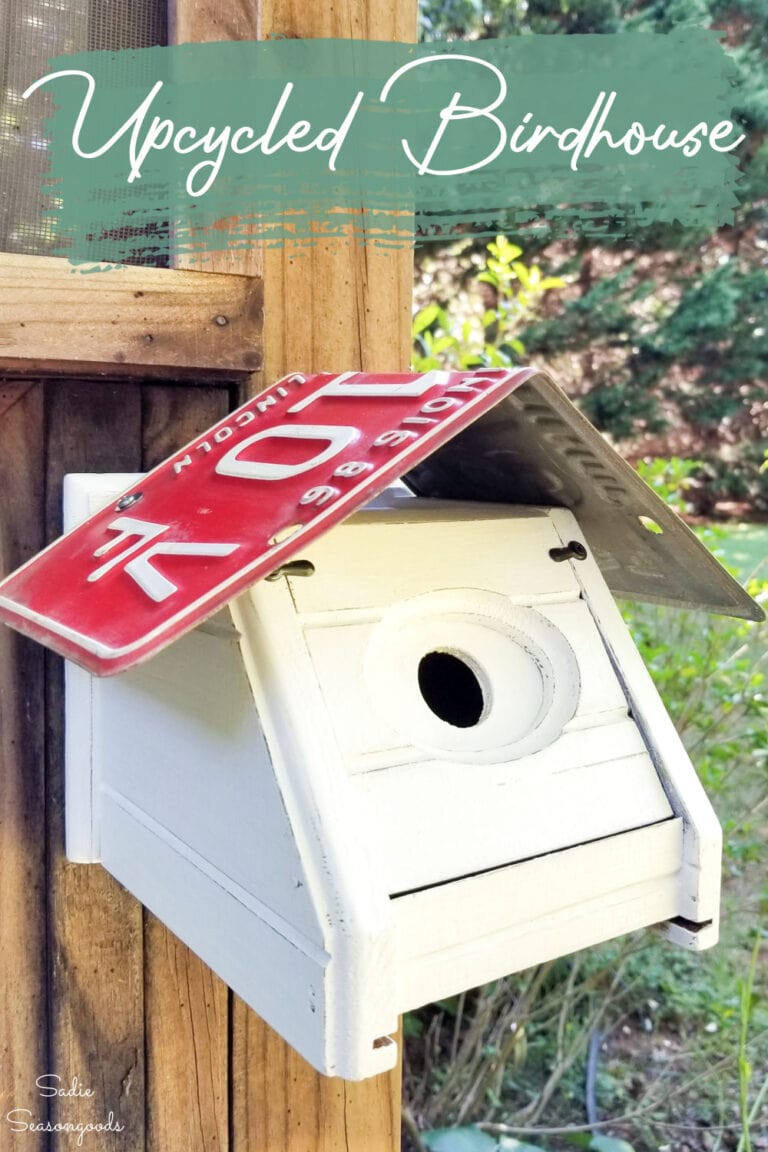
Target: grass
{"x":744,"y":547}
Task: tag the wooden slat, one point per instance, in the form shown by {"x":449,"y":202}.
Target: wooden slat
{"x":187,"y":1007}
{"x":195,"y":22}
{"x":187,"y":1047}
{"x":171,"y":417}
{"x":54,"y":318}
{"x":286,"y":1107}
{"x":23,"y":1054}
{"x":336,"y":306}
{"x":95,"y":927}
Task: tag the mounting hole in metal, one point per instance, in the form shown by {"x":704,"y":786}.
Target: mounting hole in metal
{"x":651,"y":525}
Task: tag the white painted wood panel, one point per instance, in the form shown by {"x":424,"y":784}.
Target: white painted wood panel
{"x":360,"y":728}
{"x":360,"y":724}
{"x":254,"y":959}
{"x":381,"y":557}
{"x":343,"y":872}
{"x":601,"y":695}
{"x":198,"y":763}
{"x":594,"y":781}
{"x":702,"y":843}
{"x":311,"y":998}
{"x":452,"y":915}
{"x":437,"y":821}
{"x":460,"y":935}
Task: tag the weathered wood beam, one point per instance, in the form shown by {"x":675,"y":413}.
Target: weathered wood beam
{"x":23,"y":1025}
{"x":132,"y":320}
{"x":95,"y":947}
{"x":337,"y":305}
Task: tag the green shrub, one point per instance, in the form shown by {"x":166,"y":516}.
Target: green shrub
{"x":509,"y":293}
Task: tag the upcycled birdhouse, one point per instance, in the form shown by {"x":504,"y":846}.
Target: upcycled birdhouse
{"x":422,"y":751}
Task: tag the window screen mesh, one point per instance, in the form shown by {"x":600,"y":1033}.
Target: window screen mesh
{"x":31,"y":32}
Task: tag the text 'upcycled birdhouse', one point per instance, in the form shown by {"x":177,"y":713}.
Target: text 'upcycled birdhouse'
{"x":359,"y":766}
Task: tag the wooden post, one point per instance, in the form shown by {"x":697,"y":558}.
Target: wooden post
{"x":338,"y":305}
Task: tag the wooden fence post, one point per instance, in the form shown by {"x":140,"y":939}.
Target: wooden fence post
{"x":338,"y":305}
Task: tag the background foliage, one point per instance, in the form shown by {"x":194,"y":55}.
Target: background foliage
{"x":661,"y":336}
{"x":662,"y":333}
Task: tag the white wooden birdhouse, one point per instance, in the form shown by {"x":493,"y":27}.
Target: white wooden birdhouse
{"x":423,"y":753}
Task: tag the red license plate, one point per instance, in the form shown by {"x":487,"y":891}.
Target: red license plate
{"x":233,"y":506}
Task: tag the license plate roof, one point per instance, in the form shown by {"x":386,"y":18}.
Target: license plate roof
{"x":234,"y":505}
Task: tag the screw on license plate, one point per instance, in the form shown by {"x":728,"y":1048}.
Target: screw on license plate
{"x":128,"y":501}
